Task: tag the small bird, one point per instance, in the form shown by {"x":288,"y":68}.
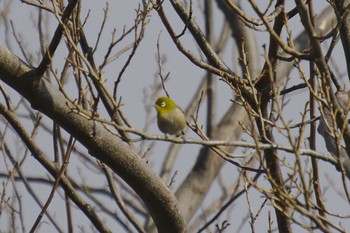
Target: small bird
{"x":170,"y":117}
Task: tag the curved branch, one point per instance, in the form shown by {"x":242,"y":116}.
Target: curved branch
{"x":119,"y":156}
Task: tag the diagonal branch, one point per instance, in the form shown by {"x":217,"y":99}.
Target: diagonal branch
{"x":55,"y":39}
{"x":119,"y":156}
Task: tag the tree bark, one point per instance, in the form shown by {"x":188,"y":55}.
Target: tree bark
{"x":118,"y":155}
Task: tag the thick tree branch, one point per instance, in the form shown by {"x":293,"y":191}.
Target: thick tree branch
{"x":119,"y":156}
{"x":342,"y":8}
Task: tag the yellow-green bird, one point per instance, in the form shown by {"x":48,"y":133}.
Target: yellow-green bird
{"x":170,"y":117}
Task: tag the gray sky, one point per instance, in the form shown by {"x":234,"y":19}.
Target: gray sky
{"x":138,"y":80}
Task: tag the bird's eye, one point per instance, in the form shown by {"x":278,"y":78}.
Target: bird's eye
{"x":162,"y":104}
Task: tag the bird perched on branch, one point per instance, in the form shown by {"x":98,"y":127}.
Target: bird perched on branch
{"x":170,"y":117}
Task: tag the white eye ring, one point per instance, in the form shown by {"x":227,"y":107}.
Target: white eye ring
{"x":162,"y":104}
